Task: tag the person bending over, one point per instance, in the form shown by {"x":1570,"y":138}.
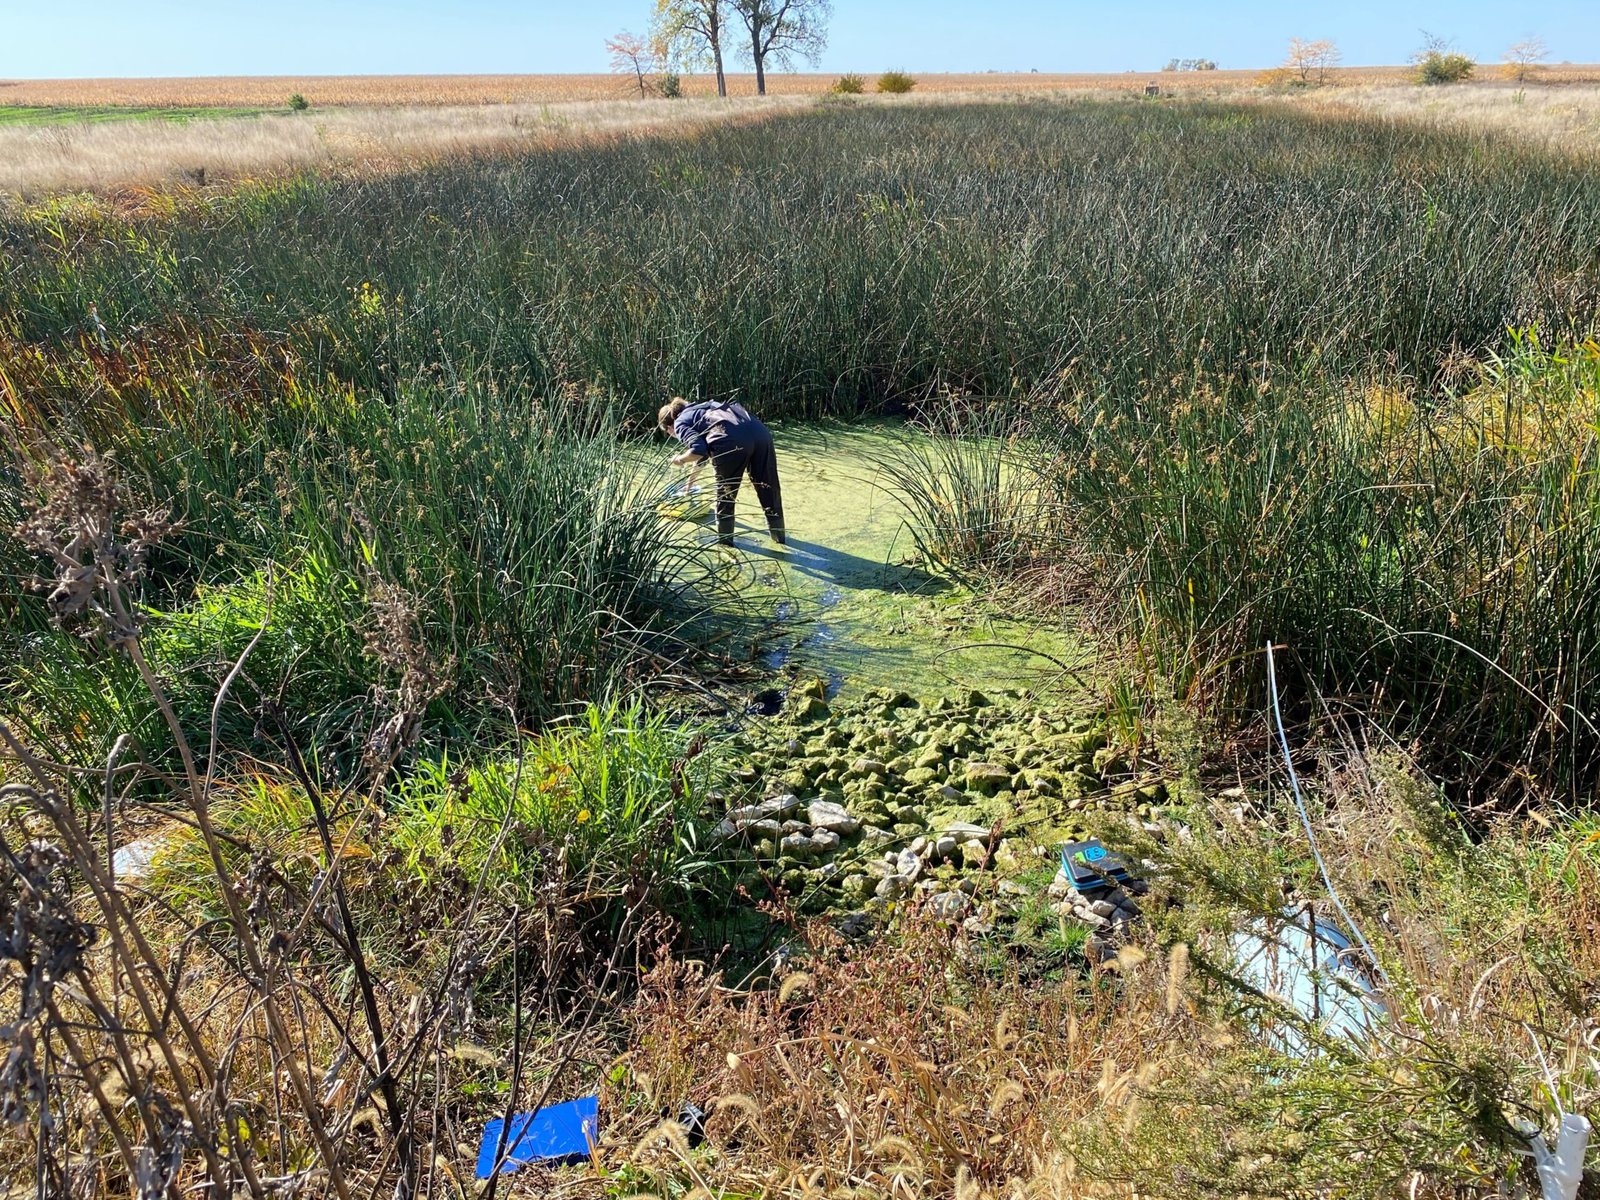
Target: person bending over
{"x":736,"y":443}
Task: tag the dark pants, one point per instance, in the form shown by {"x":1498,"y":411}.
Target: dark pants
{"x":746,"y":447}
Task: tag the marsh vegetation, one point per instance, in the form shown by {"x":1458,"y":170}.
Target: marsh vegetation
{"x":340,"y":584}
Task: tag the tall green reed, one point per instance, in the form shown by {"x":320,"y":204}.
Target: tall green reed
{"x":842,"y":259}
{"x":510,"y":547}
{"x":1430,"y":561}
{"x":971,"y":509}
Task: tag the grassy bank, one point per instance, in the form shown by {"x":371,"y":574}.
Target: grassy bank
{"x":419,"y":380}
{"x":500,"y":563}
{"x":1423,"y":558}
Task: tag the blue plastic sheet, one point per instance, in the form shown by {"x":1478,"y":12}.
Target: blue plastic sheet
{"x":1311,"y":966}
{"x":559,"y":1133}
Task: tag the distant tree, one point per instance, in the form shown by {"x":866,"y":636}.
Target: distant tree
{"x":1190,"y":64}
{"x":1308,"y":58}
{"x":1523,"y":59}
{"x":636,"y":56}
{"x":1445,"y":68}
{"x":1432,"y":43}
{"x":782,"y":31}
{"x":1438,"y":62}
{"x":693,"y":33}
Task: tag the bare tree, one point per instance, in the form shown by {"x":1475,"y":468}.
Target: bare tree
{"x":636,"y":56}
{"x":1523,"y":58}
{"x":693,"y":31}
{"x":1308,"y":58}
{"x":782,"y":31}
{"x":1432,"y":43}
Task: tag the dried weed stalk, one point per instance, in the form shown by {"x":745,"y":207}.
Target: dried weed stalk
{"x":159,"y":1052}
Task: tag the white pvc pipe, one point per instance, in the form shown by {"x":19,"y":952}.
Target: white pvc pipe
{"x":1561,"y":1169}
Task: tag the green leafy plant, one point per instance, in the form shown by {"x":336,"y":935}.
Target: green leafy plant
{"x":849,"y":84}
{"x":1439,"y":67}
{"x":895,"y":83}
{"x":298,"y":103}
{"x":613,"y":795}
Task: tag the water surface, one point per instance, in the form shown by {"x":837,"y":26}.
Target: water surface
{"x":849,"y":600}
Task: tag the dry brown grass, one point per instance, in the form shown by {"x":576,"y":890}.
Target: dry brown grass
{"x":106,"y":157}
{"x":1565,"y":118}
{"x":391,"y":122}
{"x":902,"y":1069}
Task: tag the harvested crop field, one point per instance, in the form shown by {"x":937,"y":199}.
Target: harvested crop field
{"x":266,"y":90}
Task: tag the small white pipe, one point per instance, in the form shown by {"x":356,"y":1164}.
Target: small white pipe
{"x":1561,"y":1169}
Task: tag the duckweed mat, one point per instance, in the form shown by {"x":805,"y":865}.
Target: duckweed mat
{"x":847,"y":601}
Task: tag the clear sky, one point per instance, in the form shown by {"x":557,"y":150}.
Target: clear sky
{"x":335,"y":37}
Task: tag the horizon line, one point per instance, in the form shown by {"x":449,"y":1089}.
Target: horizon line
{"x":1342,"y":68}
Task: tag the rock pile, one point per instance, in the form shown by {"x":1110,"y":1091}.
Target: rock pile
{"x":855,"y":807}
{"x":1109,"y":913}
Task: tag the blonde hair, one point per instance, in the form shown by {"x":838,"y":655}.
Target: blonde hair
{"x":667,"y":415}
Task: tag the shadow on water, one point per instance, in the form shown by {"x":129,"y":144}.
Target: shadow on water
{"x":842,"y":570}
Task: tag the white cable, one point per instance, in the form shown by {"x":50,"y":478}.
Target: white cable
{"x":1549,"y":1075}
{"x":1305,"y":820}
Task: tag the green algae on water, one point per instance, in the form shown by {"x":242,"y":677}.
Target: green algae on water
{"x":848,"y":600}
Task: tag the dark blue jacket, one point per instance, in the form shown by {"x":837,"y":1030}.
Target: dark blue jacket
{"x":700,"y":426}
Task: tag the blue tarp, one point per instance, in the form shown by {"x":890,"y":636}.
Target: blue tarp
{"x":558,"y":1133}
{"x":1311,"y":966}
